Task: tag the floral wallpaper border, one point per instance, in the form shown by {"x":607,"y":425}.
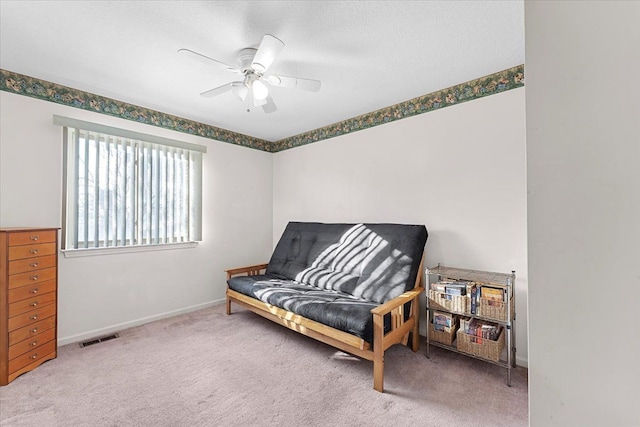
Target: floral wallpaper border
{"x":489,"y":85}
{"x":47,"y":91}
{"x":494,"y":83}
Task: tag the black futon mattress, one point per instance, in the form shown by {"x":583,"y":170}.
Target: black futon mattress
{"x":336,"y":273}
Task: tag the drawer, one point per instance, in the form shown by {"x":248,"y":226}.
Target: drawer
{"x":32,"y":277}
{"x":32,"y":236}
{"x":31,"y":264}
{"x":32,"y":316}
{"x":31,"y":330}
{"x":31,"y":251}
{"x":30,"y":344}
{"x":32,"y":356}
{"x":32,"y":303}
{"x":31,"y":290}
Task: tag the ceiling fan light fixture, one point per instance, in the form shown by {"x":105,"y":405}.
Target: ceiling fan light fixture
{"x":260,"y":91}
{"x":240,"y":91}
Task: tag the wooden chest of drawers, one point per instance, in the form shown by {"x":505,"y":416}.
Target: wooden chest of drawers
{"x":28,"y":299}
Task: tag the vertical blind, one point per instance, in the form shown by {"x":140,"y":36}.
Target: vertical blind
{"x":123,"y":191}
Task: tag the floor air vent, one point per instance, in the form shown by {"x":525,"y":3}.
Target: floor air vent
{"x":98,"y":340}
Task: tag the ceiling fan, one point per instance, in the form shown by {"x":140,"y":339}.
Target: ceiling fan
{"x":254,"y":64}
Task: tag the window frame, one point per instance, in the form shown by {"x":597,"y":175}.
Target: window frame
{"x":139,"y":143}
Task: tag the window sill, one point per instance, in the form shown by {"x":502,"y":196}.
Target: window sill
{"x":75,"y":253}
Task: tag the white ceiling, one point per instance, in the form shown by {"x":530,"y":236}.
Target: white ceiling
{"x":368,"y":55}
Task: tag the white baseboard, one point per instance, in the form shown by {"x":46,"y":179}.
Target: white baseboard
{"x":120,"y":326}
{"x":521,"y":361}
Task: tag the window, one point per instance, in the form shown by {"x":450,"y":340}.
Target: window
{"x":126,"y":189}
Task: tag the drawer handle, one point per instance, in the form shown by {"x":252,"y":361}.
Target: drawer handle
{"x":34,"y":330}
{"x":33,"y":304}
{"x":35,"y":356}
{"x":34,"y":251}
{"x":35,"y":343}
{"x":36,"y":237}
{"x":34,"y":264}
{"x":36,"y":277}
{"x":34,"y":317}
{"x":34,"y":291}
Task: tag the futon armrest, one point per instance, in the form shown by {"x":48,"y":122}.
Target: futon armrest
{"x":250,"y":270}
{"x":396,"y":302}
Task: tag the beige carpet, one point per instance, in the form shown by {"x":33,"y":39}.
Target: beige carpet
{"x":209,"y":369}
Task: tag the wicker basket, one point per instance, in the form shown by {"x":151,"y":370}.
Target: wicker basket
{"x":456,"y":303}
{"x":488,"y":349}
{"x":442,"y":336}
{"x":494,"y":309}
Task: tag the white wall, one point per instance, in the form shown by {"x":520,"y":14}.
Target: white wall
{"x":459,"y":170}
{"x":104,"y":293}
{"x":583,"y":158}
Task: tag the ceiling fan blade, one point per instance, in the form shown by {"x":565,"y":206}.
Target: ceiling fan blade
{"x":219,"y":90}
{"x":294,"y":82}
{"x":269,"y":49}
{"x":203,"y":58}
{"x":269,"y":106}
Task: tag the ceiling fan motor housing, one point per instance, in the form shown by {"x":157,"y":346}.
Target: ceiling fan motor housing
{"x":245,"y":58}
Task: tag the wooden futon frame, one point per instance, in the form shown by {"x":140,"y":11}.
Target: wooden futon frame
{"x":399,"y":333}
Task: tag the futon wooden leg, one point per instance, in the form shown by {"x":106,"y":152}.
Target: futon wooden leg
{"x":228,"y":305}
{"x":378,"y":353}
{"x":415,"y":341}
{"x":378,"y":374}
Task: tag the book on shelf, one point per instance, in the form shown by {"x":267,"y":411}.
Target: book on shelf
{"x":464,"y":323}
{"x":442,"y":328}
{"x":456,"y":288}
{"x":456,"y":299}
{"x":439,"y":286}
{"x":491,"y":332}
{"x":451,"y":287}
{"x":478,"y":335}
{"x":444,"y":322}
{"x":494,"y":294}
{"x":481,"y":330}
{"x":474,"y":300}
{"x":441,"y":318}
